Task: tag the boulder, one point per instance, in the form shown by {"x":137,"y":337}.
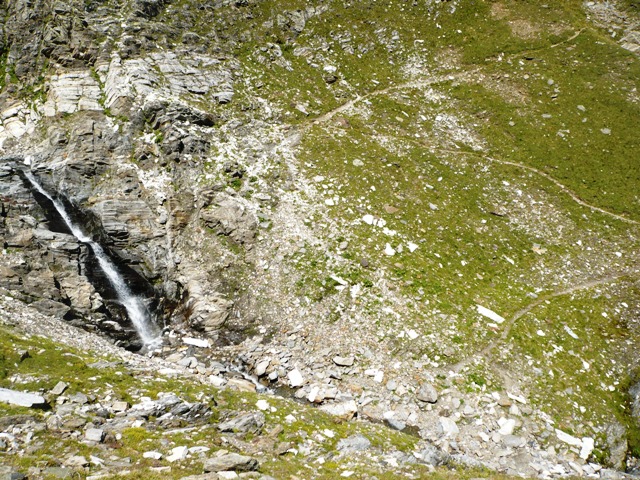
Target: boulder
{"x":231,"y":461}
{"x":427,"y":393}
{"x":22,"y":399}
{"x":246,"y":423}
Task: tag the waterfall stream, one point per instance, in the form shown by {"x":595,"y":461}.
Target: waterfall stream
{"x":136,"y":310}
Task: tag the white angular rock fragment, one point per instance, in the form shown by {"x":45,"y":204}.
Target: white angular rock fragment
{"x":571,"y":333}
{"x":153,"y":455}
{"x":568,"y":439}
{"x":588,"y":444}
{"x":490,"y":314}
{"x":389,"y":251}
{"x":199,"y":449}
{"x":329,"y":202}
{"x":94,"y":435}
{"x":262,"y":405}
{"x":371,"y":220}
{"x":119,"y":406}
{"x":228,"y":475}
{"x":295,"y":378}
{"x":59,"y":388}
{"x":22,"y":399}
{"x":358,"y":163}
{"x":506,"y":426}
{"x":449,"y":427}
{"x":217,"y":381}
{"x":344,"y":410}
{"x":344,"y":361}
{"x":517,"y":398}
{"x":412,"y":334}
{"x":540,"y":333}
{"x":289,"y":419}
{"x":177,"y":454}
{"x":339,"y":280}
{"x":412,"y":247}
{"x":379,"y":376}
{"x":261,"y":367}
{"x":196,"y":342}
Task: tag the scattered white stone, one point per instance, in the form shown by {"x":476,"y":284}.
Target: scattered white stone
{"x":412,"y":334}
{"x":570,"y":332}
{"x":339,"y":280}
{"x":295,"y":378}
{"x":379,"y":376}
{"x":371,"y":220}
{"x":568,"y":439}
{"x":490,"y":314}
{"x":199,"y":449}
{"x":262,"y":405}
{"x":177,"y":454}
{"x":217,"y":381}
{"x":449,"y":427}
{"x":94,"y":435}
{"x":389,"y":251}
{"x":517,"y":398}
{"x":506,"y":426}
{"x":347,"y":473}
{"x":606,"y":131}
{"x":588,"y":444}
{"x":329,"y":202}
{"x":344,"y":410}
{"x":540,"y":333}
{"x":153,"y":455}
{"x":227,"y":475}
{"x":358,"y":163}
{"x":196,"y":342}
{"x":412,"y":247}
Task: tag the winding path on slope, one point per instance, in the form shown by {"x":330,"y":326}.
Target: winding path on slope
{"x":487,"y":352}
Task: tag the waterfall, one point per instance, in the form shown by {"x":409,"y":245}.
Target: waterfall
{"x":136,"y":310}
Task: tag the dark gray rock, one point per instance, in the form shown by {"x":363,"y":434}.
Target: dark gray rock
{"x":432,"y":455}
{"x":247,"y":423}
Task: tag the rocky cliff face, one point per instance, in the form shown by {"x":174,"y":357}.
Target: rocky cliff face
{"x":424,"y":213}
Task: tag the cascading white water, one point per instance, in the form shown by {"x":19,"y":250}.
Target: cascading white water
{"x":136,"y":310}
